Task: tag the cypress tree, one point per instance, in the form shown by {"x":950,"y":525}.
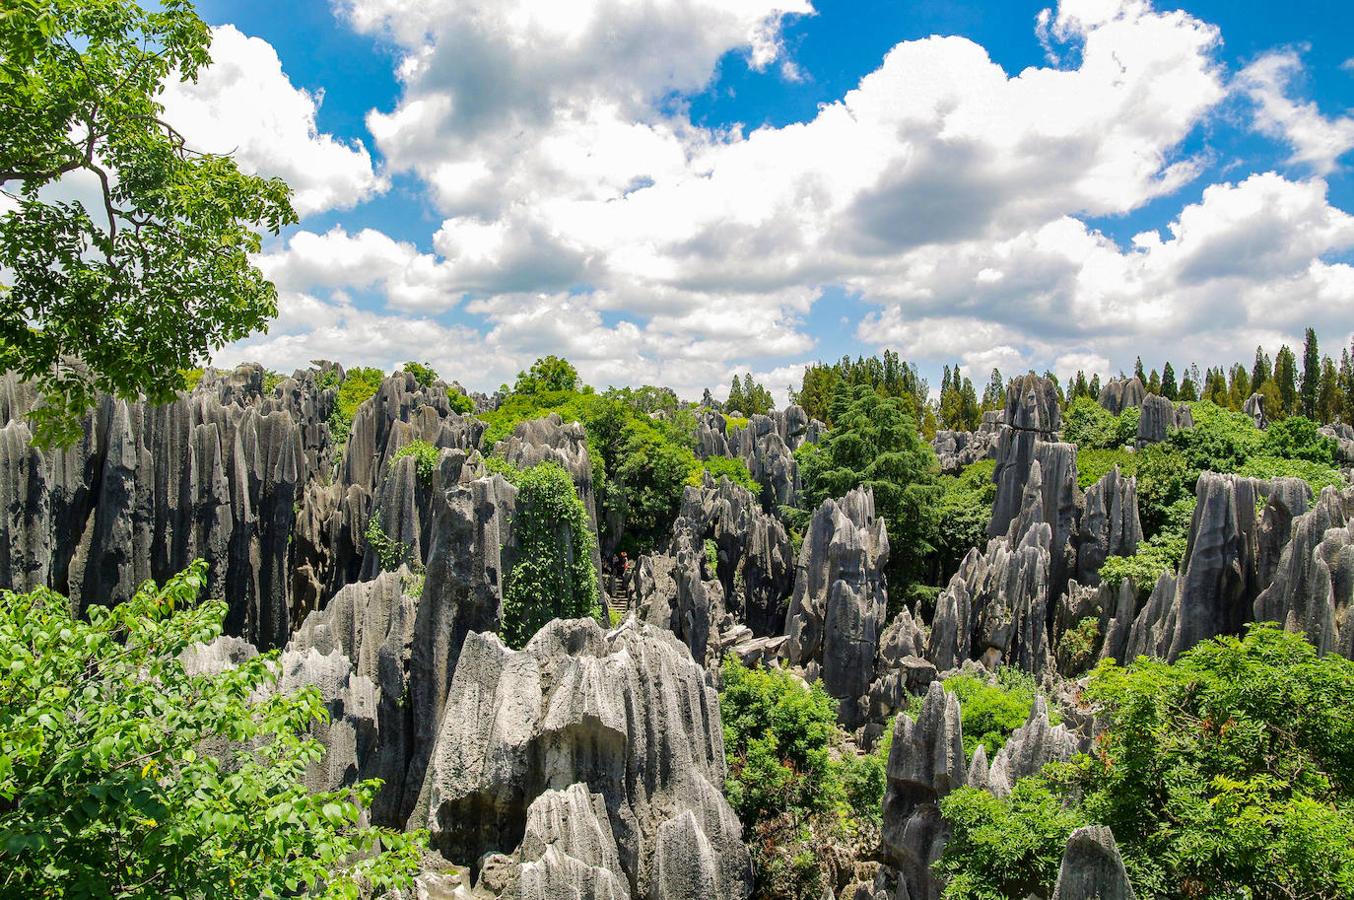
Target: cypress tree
{"x":1169,"y":390}
{"x":1311,"y":375}
{"x":1286,"y":378}
{"x":1262,"y":371}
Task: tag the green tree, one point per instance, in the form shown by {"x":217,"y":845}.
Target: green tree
{"x":816,"y":390}
{"x":422,"y":372}
{"x":737,"y":400}
{"x":1169,"y":389}
{"x":1154,"y":382}
{"x":549,"y":373}
{"x":1189,"y":385}
{"x":1286,"y":377}
{"x":156,"y":277}
{"x":554,"y":577}
{"x":994,"y":395}
{"x":1139,"y":372}
{"x":359,"y":384}
{"x":1346,"y":381}
{"x":107,"y":788}
{"x":810,"y":804}
{"x":1238,"y":387}
{"x":875,"y":443}
{"x":1262,"y":370}
{"x":1329,"y":398}
{"x":1229,"y":773}
{"x":1311,"y":375}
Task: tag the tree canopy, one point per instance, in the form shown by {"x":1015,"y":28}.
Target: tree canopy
{"x":107,"y":785}
{"x":122,"y":293}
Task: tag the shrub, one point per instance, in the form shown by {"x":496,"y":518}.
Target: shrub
{"x":549,"y":373}
{"x":1317,"y":475}
{"x":359,"y":384}
{"x":991,"y":710}
{"x":963,"y":513}
{"x":460,"y":402}
{"x":810,"y":805}
{"x":1092,"y":465}
{"x":1297,"y":438}
{"x":1220,"y":441}
{"x":191,"y":377}
{"x":390,"y":553}
{"x":728,"y":467}
{"x":426,"y":457}
{"x":106,"y":788}
{"x":1229,"y":773}
{"x":554,"y":576}
{"x":422,"y":372}
{"x":1090,"y":426}
{"x":1010,"y":847}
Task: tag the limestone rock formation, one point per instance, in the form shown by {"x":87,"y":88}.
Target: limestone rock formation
{"x":1029,"y":748}
{"x":754,"y":557}
{"x":1157,"y":418}
{"x":957,"y":449}
{"x":1255,"y":408}
{"x":1313,"y":587}
{"x":1109,"y":524}
{"x":1092,"y":868}
{"x":1032,"y":415}
{"x":1343,"y":434}
{"x":926,"y":762}
{"x":996,"y":607}
{"x":1120,"y":393}
{"x":837,"y":611}
{"x":623,"y":728}
{"x":766,"y":445}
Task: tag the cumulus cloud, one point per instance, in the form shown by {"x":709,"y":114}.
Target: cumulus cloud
{"x":1317,"y":141}
{"x":586,"y":214}
{"x":245,"y":104}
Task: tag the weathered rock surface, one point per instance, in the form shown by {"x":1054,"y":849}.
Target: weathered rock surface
{"x":766,"y":445}
{"x":926,"y":762}
{"x":1255,"y":408}
{"x":1029,"y":748}
{"x":626,"y":716}
{"x":957,"y":449}
{"x":837,"y":611}
{"x":1092,"y":868}
{"x":1032,"y":415}
{"x":996,"y":607}
{"x":1343,"y":434}
{"x":1109,"y":524}
{"x":1157,"y":418}
{"x":1313,"y":586}
{"x":1120,"y":393}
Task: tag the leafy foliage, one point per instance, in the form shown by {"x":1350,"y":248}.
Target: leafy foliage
{"x":963,"y":512}
{"x":809,"y":804}
{"x":875,"y":444}
{"x":728,"y":467}
{"x":1092,"y":465}
{"x":460,"y":402}
{"x":359,"y":384}
{"x":426,"y":457}
{"x":1297,"y":438}
{"x":1092,"y":427}
{"x":748,"y":397}
{"x":158,"y":276}
{"x":1226,"y":774}
{"x":422,"y":372}
{"x":1009,"y":847}
{"x":549,"y":373}
{"x":886,"y":375}
{"x":105,"y":786}
{"x":390,"y":553}
{"x":554,"y":576}
{"x":641,"y":464}
{"x":992,"y":709}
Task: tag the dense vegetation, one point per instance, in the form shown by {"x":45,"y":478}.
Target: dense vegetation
{"x":165,"y":254}
{"x":553,"y":576}
{"x":875,"y":444}
{"x":106,"y":788}
{"x":1229,"y":773}
{"x":992,"y":708}
{"x":809,"y":803}
{"x":642,"y":450}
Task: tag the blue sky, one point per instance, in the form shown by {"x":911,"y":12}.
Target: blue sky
{"x":895,"y":292}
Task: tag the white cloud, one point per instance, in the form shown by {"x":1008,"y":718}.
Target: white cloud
{"x":1317,"y":141}
{"x":586,"y":215}
{"x":246,"y":105}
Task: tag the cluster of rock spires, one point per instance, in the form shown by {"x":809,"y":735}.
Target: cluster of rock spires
{"x":590,"y":762}
{"x":766,"y":444}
